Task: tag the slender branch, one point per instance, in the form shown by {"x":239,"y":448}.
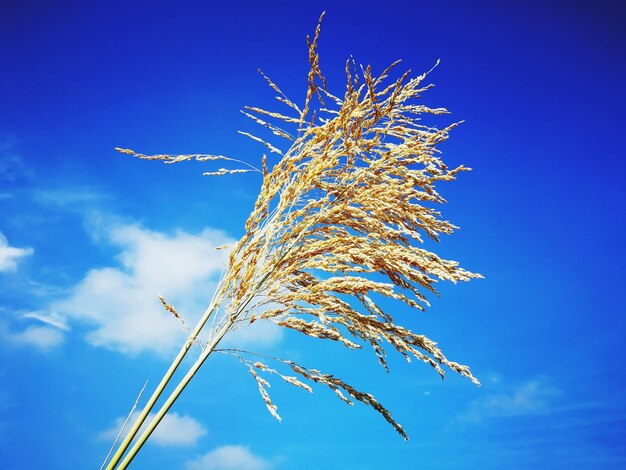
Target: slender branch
{"x":124,"y":425}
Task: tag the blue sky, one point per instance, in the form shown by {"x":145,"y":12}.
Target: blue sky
{"x":89,"y":238}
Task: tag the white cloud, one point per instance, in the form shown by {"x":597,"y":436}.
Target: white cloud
{"x":531,"y":397}
{"x":233,"y":457}
{"x":9,"y":255}
{"x":120,"y":305}
{"x":40,"y":337}
{"x":174,"y":430}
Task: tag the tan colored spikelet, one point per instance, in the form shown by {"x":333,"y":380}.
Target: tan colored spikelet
{"x":166,"y":158}
{"x":267,"y":144}
{"x":224,"y":171}
{"x":170,"y":308}
{"x":289,"y":379}
{"x":339,"y":223}
{"x":263,"y":391}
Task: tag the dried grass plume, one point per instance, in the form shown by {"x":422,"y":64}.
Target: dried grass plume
{"x":339,"y":223}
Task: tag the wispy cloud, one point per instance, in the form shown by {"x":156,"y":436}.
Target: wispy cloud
{"x":12,"y":166}
{"x":174,"y":430}
{"x":531,"y":397}
{"x":120,"y":303}
{"x":49,"y":318}
{"x":10,"y":255}
{"x":70,"y":198}
{"x":231,"y":457}
{"x":42,"y":338}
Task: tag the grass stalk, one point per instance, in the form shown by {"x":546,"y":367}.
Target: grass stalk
{"x":141,"y":440}
{"x":121,"y":431}
{"x":160,"y":388}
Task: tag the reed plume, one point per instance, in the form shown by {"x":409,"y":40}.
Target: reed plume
{"x":338,"y":225}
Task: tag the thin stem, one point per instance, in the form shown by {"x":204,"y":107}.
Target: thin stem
{"x":173,"y":397}
{"x":124,"y":425}
{"x":159,"y":390}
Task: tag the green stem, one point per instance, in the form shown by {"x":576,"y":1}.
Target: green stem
{"x":181,"y":386}
{"x":159,"y":390}
{"x":173,"y":396}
